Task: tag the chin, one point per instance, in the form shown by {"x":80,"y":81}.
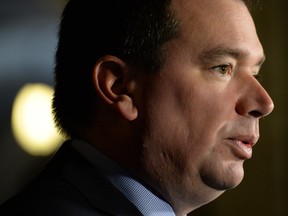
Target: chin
{"x":221,"y":185}
{"x":223,"y":180}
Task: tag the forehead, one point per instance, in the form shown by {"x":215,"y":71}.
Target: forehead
{"x":190,"y":8}
{"x":201,"y":15}
{"x":206,"y":24}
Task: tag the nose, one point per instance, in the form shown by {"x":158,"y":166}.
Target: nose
{"x":254,"y":100}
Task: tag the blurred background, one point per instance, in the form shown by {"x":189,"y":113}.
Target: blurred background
{"x":28,"y":38}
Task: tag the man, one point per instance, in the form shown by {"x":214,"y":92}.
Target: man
{"x":161,"y":102}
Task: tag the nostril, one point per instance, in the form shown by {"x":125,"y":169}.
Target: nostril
{"x":255,"y":113}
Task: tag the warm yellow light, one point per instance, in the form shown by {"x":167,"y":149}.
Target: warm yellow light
{"x":32,"y":120}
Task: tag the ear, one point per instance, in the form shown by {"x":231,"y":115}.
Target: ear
{"x":112,"y":82}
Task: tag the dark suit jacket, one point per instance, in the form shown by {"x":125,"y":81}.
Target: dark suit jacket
{"x":69,"y":185}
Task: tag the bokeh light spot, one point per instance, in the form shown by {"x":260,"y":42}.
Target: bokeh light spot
{"x":32,"y":121}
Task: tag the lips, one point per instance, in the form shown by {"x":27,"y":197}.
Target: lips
{"x":241,"y":146}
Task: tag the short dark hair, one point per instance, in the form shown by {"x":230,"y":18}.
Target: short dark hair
{"x":133,"y":30}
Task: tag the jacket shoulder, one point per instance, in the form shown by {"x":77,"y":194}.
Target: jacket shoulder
{"x":69,"y":185}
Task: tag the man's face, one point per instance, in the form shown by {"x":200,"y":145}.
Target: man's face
{"x":202,"y":109}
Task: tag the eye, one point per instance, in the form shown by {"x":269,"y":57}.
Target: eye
{"x":223,"y":70}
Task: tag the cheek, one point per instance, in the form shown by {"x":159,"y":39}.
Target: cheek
{"x":178,"y":138}
{"x":187,"y":120}
{"x":182,"y":130}
{"x":202,"y":119}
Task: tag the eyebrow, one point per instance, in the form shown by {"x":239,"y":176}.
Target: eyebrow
{"x":218,"y":52}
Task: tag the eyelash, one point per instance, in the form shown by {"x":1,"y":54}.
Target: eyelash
{"x":226,"y":68}
{"x":229,"y":68}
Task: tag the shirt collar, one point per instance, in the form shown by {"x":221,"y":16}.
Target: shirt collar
{"x":147,"y":202}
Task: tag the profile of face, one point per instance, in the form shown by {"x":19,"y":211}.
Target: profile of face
{"x":201,"y":110}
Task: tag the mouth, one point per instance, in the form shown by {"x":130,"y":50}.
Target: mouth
{"x":241,"y":146}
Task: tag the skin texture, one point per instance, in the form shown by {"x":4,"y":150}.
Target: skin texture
{"x":187,"y":129}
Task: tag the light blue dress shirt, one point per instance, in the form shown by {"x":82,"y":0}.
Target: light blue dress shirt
{"x":148,"y":203}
